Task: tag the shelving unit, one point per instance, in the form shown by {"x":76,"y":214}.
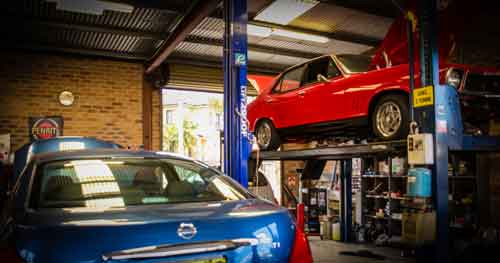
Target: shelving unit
{"x":380,"y":181}
{"x":315,"y":159}
{"x":463,"y":188}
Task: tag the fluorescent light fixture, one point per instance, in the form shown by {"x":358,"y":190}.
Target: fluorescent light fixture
{"x":258,"y":31}
{"x":262,"y":31}
{"x":284,"y":11}
{"x":300,"y":36}
{"x":93,"y":7}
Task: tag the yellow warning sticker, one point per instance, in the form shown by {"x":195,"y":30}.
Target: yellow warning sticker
{"x":423,"y":97}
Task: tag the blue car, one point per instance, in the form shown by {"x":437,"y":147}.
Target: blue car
{"x":61,"y":143}
{"x":123,"y":206}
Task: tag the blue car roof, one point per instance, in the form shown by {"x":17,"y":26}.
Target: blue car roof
{"x":54,"y":145}
{"x":105,"y":153}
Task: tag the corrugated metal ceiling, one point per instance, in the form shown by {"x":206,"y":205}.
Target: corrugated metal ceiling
{"x":37,"y":23}
{"x":331,"y":18}
{"x":153,"y":20}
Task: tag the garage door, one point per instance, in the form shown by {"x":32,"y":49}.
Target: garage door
{"x":199,"y":78}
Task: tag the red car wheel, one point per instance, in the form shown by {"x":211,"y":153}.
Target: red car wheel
{"x":267,"y":136}
{"x":390,"y":117}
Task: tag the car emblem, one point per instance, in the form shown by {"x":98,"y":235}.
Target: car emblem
{"x":186,"y":230}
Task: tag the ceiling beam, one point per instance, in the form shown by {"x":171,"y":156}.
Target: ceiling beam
{"x":82,"y":51}
{"x":200,"y":61}
{"x":254,"y":47}
{"x":214,"y":62}
{"x":31,"y":24}
{"x":341,"y":36}
{"x":186,"y":25}
{"x":106,"y":29}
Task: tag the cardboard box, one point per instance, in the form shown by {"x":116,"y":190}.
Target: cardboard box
{"x":419,"y":228}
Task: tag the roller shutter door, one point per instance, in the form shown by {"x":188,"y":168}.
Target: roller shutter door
{"x":191,"y":77}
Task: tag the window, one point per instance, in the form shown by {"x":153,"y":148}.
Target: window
{"x":355,"y":63}
{"x":291,"y":80}
{"x":169,"y":116}
{"x":333,"y":71}
{"x":219,"y":121}
{"x":105,"y":183}
{"x":201,"y":114}
{"x":324,"y":66}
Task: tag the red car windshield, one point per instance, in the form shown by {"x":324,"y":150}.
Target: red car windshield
{"x":355,"y":63}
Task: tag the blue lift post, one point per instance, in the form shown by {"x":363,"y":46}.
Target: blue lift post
{"x":346,"y":199}
{"x":429,"y":116}
{"x":236,"y":135}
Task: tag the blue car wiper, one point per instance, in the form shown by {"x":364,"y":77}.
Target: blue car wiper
{"x":163,"y":251}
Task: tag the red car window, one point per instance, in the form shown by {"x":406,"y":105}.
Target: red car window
{"x":324,"y":66}
{"x":292,"y":79}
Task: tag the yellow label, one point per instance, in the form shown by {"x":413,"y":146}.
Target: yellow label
{"x":423,"y":97}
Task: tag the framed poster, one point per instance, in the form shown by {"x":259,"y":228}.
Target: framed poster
{"x":45,"y":127}
{"x":4,"y":147}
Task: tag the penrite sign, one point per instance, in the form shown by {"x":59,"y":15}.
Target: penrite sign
{"x":45,"y":127}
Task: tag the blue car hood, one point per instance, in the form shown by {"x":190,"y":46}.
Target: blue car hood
{"x":81,"y":235}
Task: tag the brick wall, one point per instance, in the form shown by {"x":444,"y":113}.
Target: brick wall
{"x":157,"y":120}
{"x":108,"y":96}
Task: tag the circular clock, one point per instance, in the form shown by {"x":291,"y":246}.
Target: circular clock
{"x":66,"y":98}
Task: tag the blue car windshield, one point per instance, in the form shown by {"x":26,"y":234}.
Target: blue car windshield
{"x":106,"y":183}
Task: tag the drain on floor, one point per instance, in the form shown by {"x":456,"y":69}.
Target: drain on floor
{"x":362,"y":253}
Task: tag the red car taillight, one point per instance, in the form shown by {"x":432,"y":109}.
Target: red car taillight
{"x":9,"y":254}
{"x":301,"y":252}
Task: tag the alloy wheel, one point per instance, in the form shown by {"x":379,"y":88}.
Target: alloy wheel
{"x":388,"y":118}
{"x":264,"y":135}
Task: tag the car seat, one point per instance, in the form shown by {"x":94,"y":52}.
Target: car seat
{"x":147,"y":181}
{"x":179,"y":191}
{"x":62,"y":189}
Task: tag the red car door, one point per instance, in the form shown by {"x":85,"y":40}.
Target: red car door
{"x":324,"y":96}
{"x":286,"y":98}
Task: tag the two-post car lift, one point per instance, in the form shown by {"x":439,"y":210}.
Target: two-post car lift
{"x":441,"y":119}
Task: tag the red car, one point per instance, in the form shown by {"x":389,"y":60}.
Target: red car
{"x":340,"y":95}
{"x":359,"y":95}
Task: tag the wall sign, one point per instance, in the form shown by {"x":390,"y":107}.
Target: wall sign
{"x":4,"y":148}
{"x":423,"y":97}
{"x":45,"y":127}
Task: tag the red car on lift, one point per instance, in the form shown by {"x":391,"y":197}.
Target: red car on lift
{"x":331,"y":95}
{"x":346,"y":95}
{"x":340,"y":96}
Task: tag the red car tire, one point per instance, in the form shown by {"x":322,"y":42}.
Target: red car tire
{"x":390,"y":118}
{"x":267,"y":136}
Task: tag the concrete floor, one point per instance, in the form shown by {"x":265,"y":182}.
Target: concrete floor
{"x":327,"y":251}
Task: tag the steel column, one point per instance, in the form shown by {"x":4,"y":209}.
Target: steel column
{"x":346,"y":199}
{"x":236,"y":146}
{"x":411,"y":62}
{"x":434,"y":116}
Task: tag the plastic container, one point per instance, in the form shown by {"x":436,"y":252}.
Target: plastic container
{"x":419,"y":182}
{"x":326,"y":230}
{"x":336,"y":231}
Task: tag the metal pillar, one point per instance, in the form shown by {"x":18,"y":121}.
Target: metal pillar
{"x":346,"y":199}
{"x":430,"y":117}
{"x":236,"y":143}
